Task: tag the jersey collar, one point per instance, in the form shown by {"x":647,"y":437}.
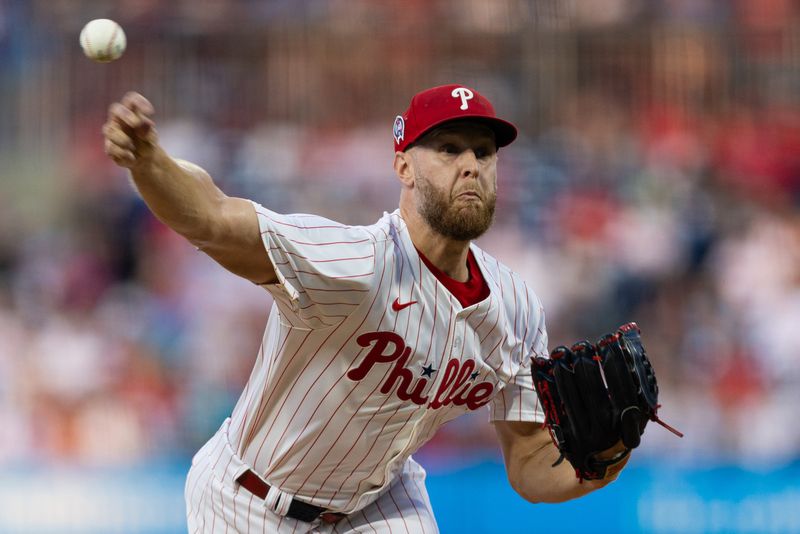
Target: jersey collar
{"x":422,"y":274}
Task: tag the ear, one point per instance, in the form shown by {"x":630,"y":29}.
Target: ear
{"x":403,"y":168}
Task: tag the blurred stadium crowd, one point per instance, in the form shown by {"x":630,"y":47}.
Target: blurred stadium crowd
{"x":657,"y":179}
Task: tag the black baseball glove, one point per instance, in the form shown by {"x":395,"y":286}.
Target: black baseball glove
{"x":595,"y":396}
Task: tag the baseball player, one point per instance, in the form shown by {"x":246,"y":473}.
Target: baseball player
{"x":378,"y":334}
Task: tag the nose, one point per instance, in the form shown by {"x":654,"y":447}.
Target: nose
{"x":469,"y":164}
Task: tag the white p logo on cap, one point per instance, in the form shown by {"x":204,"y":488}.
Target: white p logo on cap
{"x":464,"y":94}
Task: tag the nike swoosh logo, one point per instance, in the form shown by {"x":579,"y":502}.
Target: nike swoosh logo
{"x":396,"y":306}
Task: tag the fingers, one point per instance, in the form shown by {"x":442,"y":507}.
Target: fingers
{"x":143,"y":110}
{"x":114,"y":134}
{"x":121,"y":156}
{"x":137,"y":102}
{"x":129,"y":131}
{"x":130,"y":119}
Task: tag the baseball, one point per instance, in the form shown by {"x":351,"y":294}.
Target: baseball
{"x":103,"y":40}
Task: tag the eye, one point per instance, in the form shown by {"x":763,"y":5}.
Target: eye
{"x":449,"y":148}
{"x":482,"y":153}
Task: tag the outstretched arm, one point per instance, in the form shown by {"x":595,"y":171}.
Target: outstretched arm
{"x":529,"y":455}
{"x":183,"y":196}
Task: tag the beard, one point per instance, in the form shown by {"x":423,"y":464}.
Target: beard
{"x":463,"y":222}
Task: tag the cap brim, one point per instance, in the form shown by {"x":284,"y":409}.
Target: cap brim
{"x":504,"y":131}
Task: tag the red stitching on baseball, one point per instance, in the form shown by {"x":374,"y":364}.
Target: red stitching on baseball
{"x":111,"y":41}
{"x":88,"y":43}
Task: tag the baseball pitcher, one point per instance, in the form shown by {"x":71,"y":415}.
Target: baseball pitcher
{"x":380,"y":334}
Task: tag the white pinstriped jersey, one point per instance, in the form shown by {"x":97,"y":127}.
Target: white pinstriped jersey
{"x":366,"y":354}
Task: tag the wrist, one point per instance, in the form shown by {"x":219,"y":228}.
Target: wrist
{"x":150,"y":159}
{"x":612,"y":465}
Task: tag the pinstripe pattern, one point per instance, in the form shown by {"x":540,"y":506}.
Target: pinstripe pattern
{"x":338,"y":400}
{"x":223,"y":507}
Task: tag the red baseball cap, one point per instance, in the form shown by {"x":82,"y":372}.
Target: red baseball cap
{"x":438,"y":105}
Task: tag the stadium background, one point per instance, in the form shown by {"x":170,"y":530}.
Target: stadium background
{"x":656,"y":179}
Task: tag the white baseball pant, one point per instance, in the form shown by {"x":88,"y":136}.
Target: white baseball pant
{"x":215,"y":503}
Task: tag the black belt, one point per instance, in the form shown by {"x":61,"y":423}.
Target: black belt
{"x":302,"y":511}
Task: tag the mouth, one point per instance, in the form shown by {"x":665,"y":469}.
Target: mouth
{"x":468,"y":195}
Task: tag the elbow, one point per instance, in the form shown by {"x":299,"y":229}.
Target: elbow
{"x":532,"y":497}
{"x":525,"y":489}
{"x":545,"y":490}
{"x":529,"y":497}
{"x":541,"y":497}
